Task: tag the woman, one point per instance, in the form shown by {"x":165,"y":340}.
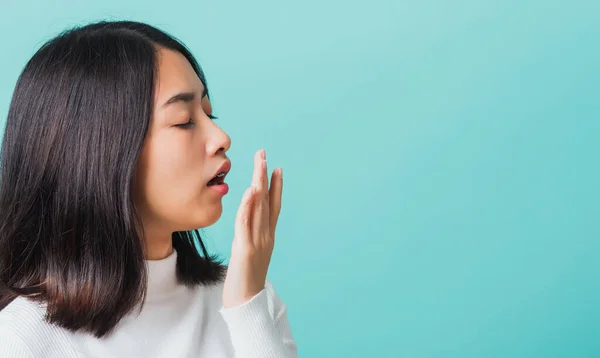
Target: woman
{"x":110,"y":161}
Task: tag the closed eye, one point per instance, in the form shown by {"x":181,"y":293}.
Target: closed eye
{"x":187,"y":125}
{"x":191,"y":123}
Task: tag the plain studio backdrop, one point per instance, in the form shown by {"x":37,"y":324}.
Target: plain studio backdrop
{"x":440,"y":161}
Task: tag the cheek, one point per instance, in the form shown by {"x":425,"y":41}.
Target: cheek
{"x":173,"y":177}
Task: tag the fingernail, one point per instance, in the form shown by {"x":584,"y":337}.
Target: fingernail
{"x":263,"y":154}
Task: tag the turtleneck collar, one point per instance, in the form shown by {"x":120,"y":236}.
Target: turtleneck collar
{"x":162,"y":275}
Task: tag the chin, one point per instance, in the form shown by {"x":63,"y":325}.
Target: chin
{"x":209,"y":216}
{"x":199,"y":216}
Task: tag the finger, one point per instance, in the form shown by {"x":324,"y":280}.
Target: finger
{"x":243,"y":217}
{"x":275,"y":192}
{"x":260,"y":216}
{"x":259,"y":177}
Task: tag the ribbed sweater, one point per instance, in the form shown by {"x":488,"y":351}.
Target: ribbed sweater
{"x":175,"y":321}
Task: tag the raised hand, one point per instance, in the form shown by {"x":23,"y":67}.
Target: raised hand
{"x":254,"y":236}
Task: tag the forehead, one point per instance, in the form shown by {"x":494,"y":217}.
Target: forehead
{"x":175,"y":74}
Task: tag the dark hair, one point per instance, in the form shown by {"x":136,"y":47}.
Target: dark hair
{"x":70,"y":235}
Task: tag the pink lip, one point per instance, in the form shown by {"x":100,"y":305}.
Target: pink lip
{"x":222,"y":189}
{"x":226,"y":167}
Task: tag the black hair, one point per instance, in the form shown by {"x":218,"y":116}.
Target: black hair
{"x":70,"y":235}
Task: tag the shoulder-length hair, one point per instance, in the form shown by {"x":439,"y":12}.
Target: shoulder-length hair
{"x":70,"y":235}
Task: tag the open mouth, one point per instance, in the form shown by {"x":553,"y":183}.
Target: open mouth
{"x":218,"y":179}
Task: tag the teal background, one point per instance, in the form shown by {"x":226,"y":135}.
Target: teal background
{"x":440,"y":161}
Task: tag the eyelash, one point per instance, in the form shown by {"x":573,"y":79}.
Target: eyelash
{"x":190,"y":123}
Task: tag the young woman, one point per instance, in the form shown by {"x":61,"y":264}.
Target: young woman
{"x":110,"y":162}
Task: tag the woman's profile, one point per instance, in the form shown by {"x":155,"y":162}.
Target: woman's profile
{"x":110,"y":162}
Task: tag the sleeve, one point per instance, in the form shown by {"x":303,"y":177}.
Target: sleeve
{"x":260,"y":327}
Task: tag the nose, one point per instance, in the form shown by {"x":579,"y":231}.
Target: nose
{"x":218,"y":141}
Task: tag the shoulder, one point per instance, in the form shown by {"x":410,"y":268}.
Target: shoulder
{"x":20,"y":321}
{"x":22,"y":314}
{"x":24,"y":332}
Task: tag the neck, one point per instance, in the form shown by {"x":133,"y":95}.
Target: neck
{"x":158,"y":250}
{"x":159,"y":243}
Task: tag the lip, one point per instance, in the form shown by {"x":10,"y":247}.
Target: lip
{"x":222,"y":188}
{"x":225,"y":167}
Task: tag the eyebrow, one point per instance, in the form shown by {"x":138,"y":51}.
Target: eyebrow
{"x":185,"y":97}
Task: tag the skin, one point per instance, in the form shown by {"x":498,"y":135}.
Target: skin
{"x":184,"y":149}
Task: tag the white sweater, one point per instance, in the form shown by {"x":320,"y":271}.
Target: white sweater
{"x":174,"y":322}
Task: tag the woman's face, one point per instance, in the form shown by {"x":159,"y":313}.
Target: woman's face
{"x":183,"y":151}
